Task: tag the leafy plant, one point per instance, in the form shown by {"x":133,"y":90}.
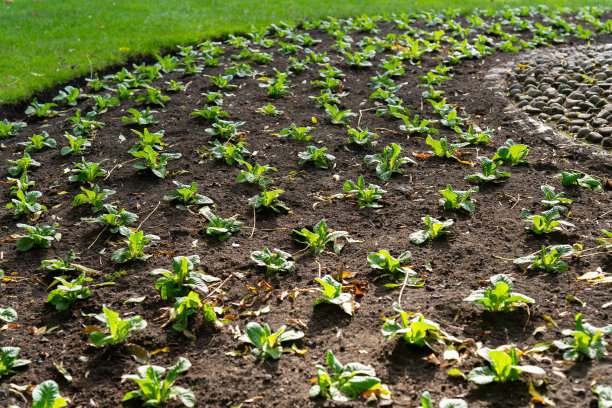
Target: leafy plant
{"x":136,"y":242}
{"x":279,"y":87}
{"x":383,"y":260}
{"x":38,"y":142}
{"x":174,"y":86}
{"x":549,"y":261}
{"x":213,"y":97}
{"x":338,"y":117}
{"x":69,"y":292}
{"x":442,"y":148}
{"x":211,"y":113}
{"x":317,"y":156}
{"x":9,"y":361}
{"x":47,"y":395}
{"x":512,"y":153}
{"x":224,"y":129}
{"x":229,"y":152}
{"x":297,"y":133}
{"x":8,"y":315}
{"x":444,"y":403}
{"x":606,"y":243}
{"x":346,"y":382}
{"x":25,"y":204}
{"x":141,"y":118}
{"x":154,"y":161}
{"x":118,"y":329}
{"x":115,"y":218}
{"x":8,"y":129}
{"x":41,"y":111}
{"x":255,"y":174}
{"x":87,"y":171}
{"x":148,"y":139}
{"x":183,"y":308}
{"x":22,"y":165}
{"x":500,"y":298}
{"x":332,"y":294}
{"x":266,"y":344}
{"x":553,"y":199}
{"x":94,"y":197}
{"x":86,"y":125}
{"x":221,"y":228}
{"x":270,"y":109}
{"x":152,"y":96}
{"x":187,"y":196}
{"x":104,"y":102}
{"x":580,"y":179}
{"x":489,"y":172}
{"x":476,"y":137}
{"x":417,"y":125}
{"x":37,"y":236}
{"x":414,"y":329}
{"x":20,"y":184}
{"x":388,"y":162}
{"x":366,"y":196}
{"x":586,"y":340}
{"x":273,"y":262}
{"x":60,"y":264}
{"x":222,"y":81}
{"x":547,"y":222}
{"x":320,"y":236}
{"x":504,"y":367}
{"x":434,"y":230}
{"x":268,"y":199}
{"x":76,"y":145}
{"x":455,"y":200}
{"x":69,"y":96}
{"x":361,"y":138}
{"x":183,"y":279}
{"x":604,"y":391}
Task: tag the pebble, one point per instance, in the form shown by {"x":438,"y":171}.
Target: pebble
{"x":594,"y":137}
{"x":607,"y":142}
{"x":583,"y":132}
{"x":605,"y":131}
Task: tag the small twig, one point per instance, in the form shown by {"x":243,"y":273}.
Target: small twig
{"x":528,"y":317}
{"x":219,"y":287}
{"x":360,"y":114}
{"x":151,"y":213}
{"x":253,"y":229}
{"x":399,"y":298}
{"x":90,"y":66}
{"x":499,"y":257}
{"x":117,"y":165}
{"x":518,"y":198}
{"x":92,"y":244}
{"x":319,"y":269}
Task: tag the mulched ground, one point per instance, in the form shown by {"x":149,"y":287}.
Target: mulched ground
{"x":460,"y":263}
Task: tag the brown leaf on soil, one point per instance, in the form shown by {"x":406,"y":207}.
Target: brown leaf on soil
{"x":252,"y":399}
{"x":90,"y":329}
{"x":299,"y":322}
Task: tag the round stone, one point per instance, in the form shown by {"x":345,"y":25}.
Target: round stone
{"x":532,"y":110}
{"x":583,"y":132}
{"x":534,"y":93}
{"x":543,"y":116}
{"x":605,"y":131}
{"x":599,"y":122}
{"x":522,"y":104}
{"x":556,"y":117}
{"x":607,"y":142}
{"x":594,"y":138}
{"x":577,"y":122}
{"x":578,"y":96}
{"x":600,"y":76}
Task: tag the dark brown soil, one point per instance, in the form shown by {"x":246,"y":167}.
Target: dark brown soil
{"x":461,"y":263}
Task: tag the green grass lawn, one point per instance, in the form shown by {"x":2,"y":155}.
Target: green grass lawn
{"x":43,"y":43}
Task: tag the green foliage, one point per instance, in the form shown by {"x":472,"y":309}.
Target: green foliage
{"x":69,"y":292}
{"x":183,"y":308}
{"x":267,"y":345}
{"x":606,"y":243}
{"x":94,"y":197}
{"x":69,"y":96}
{"x":21,"y":165}
{"x":366,"y":196}
{"x":229,"y":152}
{"x":273,"y":262}
{"x":346,"y":382}
{"x":152,"y":96}
{"x":416,"y":125}
{"x":361,"y":138}
{"x":87,"y":171}
{"x":604,"y":391}
{"x":489,"y":172}
{"x":553,"y":199}
{"x":338,"y":117}
{"x":153,"y":161}
{"x":393,"y":266}
{"x":414,"y":329}
{"x":549,"y":261}
{"x":25,"y":204}
{"x":183,"y":279}
{"x":581,"y":180}
{"x":118,"y":329}
{"x":297,"y":133}
{"x":442,"y":148}
{"x":141,"y":118}
{"x":499,"y":299}
{"x":332,"y":294}
{"x":47,"y":395}
{"x":9,"y":129}
{"x":504,"y":367}
{"x":136,"y":242}
{"x":38,"y":142}
{"x":211,"y":113}
{"x":148,"y":139}
{"x":444,"y":403}
{"x":155,"y":389}
{"x":434,"y":230}
{"x":270,"y":109}
{"x":317,"y":156}
{"x":37,"y":236}
{"x":476,"y":137}
{"x":222,"y":81}
{"x":512,"y":153}
{"x":320,"y":236}
{"x":76,"y":145}
{"x":255,"y":174}
{"x":277,"y":87}
{"x":547,"y":222}
{"x":455,"y":200}
{"x":115,"y":218}
{"x":104,"y":102}
{"x":8,"y":315}
{"x":268,"y":199}
{"x":220,"y":228}
{"x":9,"y":361}
{"x":187,"y":196}
{"x":60,"y":264}
{"x":586,"y":340}
{"x":388,"y":162}
{"x":41,"y":111}
{"x":84,"y":126}
{"x":224,"y":129}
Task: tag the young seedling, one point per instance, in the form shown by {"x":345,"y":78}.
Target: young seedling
{"x":184,"y":278}
{"x":118,"y":329}
{"x":255,"y":174}
{"x":37,"y":236}
{"x":489,"y":172}
{"x":581,"y":180}
{"x":605,"y":243}
{"x":443,"y":149}
{"x":87,"y":171}
{"x":229,"y":152}
{"x":38,"y":142}
{"x":41,"y":111}
{"x":604,"y":391}
{"x":141,"y":118}
{"x":47,"y":394}
{"x":547,"y":222}
{"x":320,"y":236}
{"x":269,"y":199}
{"x":222,"y":81}
{"x":504,"y":367}
{"x":512,"y":153}
{"x":417,"y":125}
{"x":154,"y":161}
{"x":317,"y":156}
{"x":414,"y":329}
{"x":152,"y":96}
{"x":187,"y":196}
{"x":215,"y":98}
{"x":25,"y":204}
{"x":366,"y":196}
{"x":361,"y":138}
{"x":388,"y":162}
{"x":104,"y":102}
{"x":434,"y":230}
{"x":279,"y":87}
{"x":183,"y":308}
{"x":332,"y":294}
{"x":444,"y":403}
{"x":9,"y":361}
{"x":500,"y":298}
{"x":476,"y":137}
{"x":346,"y":382}
{"x":20,"y":184}
{"x":76,"y":145}
{"x":9,"y":129}
{"x":67,"y":293}
{"x":174,"y":86}
{"x":338,"y":117}
{"x":297,"y":133}
{"x":224,"y":129}
{"x":393,"y":267}
{"x":148,"y":139}
{"x":220,"y":228}
{"x":8,"y":315}
{"x":155,"y":390}
{"x":549,"y":261}
{"x":115,"y":218}
{"x":136,"y":243}
{"x":553,"y":199}
{"x":69,"y":96}
{"x":84,"y":126}
{"x":267,"y":345}
{"x":586,"y":340}
{"x":455,"y":200}
{"x":210,"y":113}
{"x":22,"y":165}
{"x":63,"y":265}
{"x":270,"y":110}
{"x":273,"y":262}
{"x":94,"y":197}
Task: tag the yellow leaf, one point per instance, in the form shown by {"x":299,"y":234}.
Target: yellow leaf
{"x":539,"y":398}
{"x":161,"y":350}
{"x":314,"y":120}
